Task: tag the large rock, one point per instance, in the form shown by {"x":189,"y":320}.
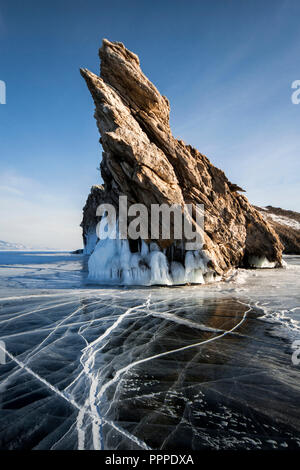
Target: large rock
{"x":142,"y":160}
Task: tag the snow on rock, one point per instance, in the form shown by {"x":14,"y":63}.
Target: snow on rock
{"x":283,"y":220}
{"x":287,"y":225}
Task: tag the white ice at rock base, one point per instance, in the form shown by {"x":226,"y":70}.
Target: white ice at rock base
{"x":112,"y":262}
{"x":90,"y":241}
{"x":261,"y":262}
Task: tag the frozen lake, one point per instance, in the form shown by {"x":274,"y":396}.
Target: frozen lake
{"x":195,"y":367}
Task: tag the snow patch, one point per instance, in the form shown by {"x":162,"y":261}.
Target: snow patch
{"x":282,"y":220}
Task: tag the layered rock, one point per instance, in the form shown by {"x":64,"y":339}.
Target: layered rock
{"x":142,"y":160}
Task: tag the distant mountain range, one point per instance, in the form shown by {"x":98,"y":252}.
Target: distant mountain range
{"x":8,"y":246}
{"x":12,"y":246}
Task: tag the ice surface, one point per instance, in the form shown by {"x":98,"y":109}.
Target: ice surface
{"x":138,"y":368}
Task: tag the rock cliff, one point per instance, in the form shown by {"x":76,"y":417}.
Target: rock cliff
{"x":142,"y":160}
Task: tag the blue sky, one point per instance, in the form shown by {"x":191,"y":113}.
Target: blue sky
{"x":226,"y":66}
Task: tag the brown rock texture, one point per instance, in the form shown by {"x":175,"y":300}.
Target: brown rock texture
{"x":142,"y":160}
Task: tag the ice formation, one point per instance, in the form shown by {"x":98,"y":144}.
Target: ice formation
{"x":112,"y":262}
{"x":260,"y":262}
{"x":90,"y":241}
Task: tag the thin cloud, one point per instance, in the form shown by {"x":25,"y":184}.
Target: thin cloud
{"x":9,"y":189}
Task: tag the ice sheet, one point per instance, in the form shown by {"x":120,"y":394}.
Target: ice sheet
{"x":157,"y":367}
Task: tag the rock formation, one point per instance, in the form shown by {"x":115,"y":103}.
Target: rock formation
{"x":90,"y":220}
{"x":287,"y":226}
{"x":142,"y":160}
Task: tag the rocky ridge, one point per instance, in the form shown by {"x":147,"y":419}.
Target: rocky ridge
{"x":286,"y":223}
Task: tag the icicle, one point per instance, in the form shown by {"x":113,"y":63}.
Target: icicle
{"x":90,"y":241}
{"x":112,"y":262}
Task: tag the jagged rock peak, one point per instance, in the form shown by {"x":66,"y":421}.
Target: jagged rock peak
{"x":121,"y":69}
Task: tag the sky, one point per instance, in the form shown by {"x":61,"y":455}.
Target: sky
{"x":227,"y":67}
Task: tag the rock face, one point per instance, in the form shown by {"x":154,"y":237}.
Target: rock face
{"x":142,"y":160}
{"x":90,"y":220}
{"x":287,"y":225}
